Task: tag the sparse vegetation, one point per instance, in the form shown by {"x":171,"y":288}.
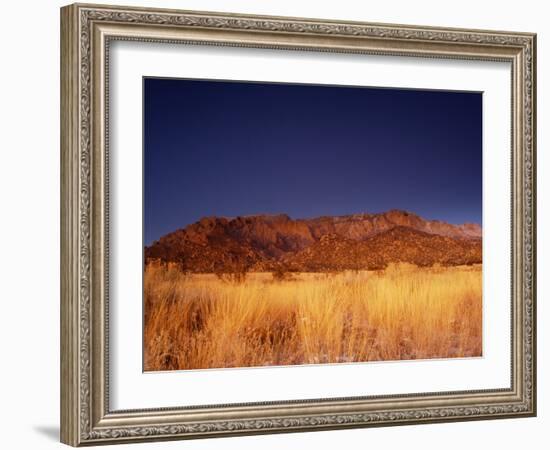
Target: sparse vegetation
{"x":201,"y":321}
{"x":231,"y":273}
{"x":281,"y":273}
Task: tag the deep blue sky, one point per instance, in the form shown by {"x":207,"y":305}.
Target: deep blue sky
{"x":238,"y":148}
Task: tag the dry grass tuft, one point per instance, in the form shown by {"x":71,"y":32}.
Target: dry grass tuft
{"x":403,"y":312}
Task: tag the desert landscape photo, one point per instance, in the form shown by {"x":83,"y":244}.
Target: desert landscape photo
{"x":315,"y":235}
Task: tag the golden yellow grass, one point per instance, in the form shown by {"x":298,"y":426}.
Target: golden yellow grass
{"x":403,"y":312}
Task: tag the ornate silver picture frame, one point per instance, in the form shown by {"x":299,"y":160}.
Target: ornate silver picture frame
{"x":87,"y":32}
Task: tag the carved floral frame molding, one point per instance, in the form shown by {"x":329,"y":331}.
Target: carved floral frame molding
{"x":86,"y":32}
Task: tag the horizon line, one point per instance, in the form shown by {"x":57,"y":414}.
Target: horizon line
{"x":363,"y":213}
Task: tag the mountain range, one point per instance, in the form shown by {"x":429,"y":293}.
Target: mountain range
{"x":328,"y":243}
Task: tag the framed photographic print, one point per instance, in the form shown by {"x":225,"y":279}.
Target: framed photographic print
{"x":275,"y":224}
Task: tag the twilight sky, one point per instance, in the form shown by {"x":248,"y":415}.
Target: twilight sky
{"x":238,"y":148}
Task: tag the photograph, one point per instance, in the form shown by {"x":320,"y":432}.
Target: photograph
{"x":290,"y":224}
{"x":287,"y":220}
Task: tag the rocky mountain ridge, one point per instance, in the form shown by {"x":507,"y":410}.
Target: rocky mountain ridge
{"x":358,"y":241}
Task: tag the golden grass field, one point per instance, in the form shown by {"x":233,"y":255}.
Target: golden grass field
{"x":404,"y":312}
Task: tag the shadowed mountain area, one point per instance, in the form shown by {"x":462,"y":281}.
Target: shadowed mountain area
{"x":353,"y":242}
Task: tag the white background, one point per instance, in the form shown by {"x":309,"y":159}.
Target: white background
{"x":29,"y":182}
{"x":132,"y":389}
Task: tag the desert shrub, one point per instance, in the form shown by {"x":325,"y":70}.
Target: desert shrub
{"x":231,"y":273}
{"x":281,"y":273}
